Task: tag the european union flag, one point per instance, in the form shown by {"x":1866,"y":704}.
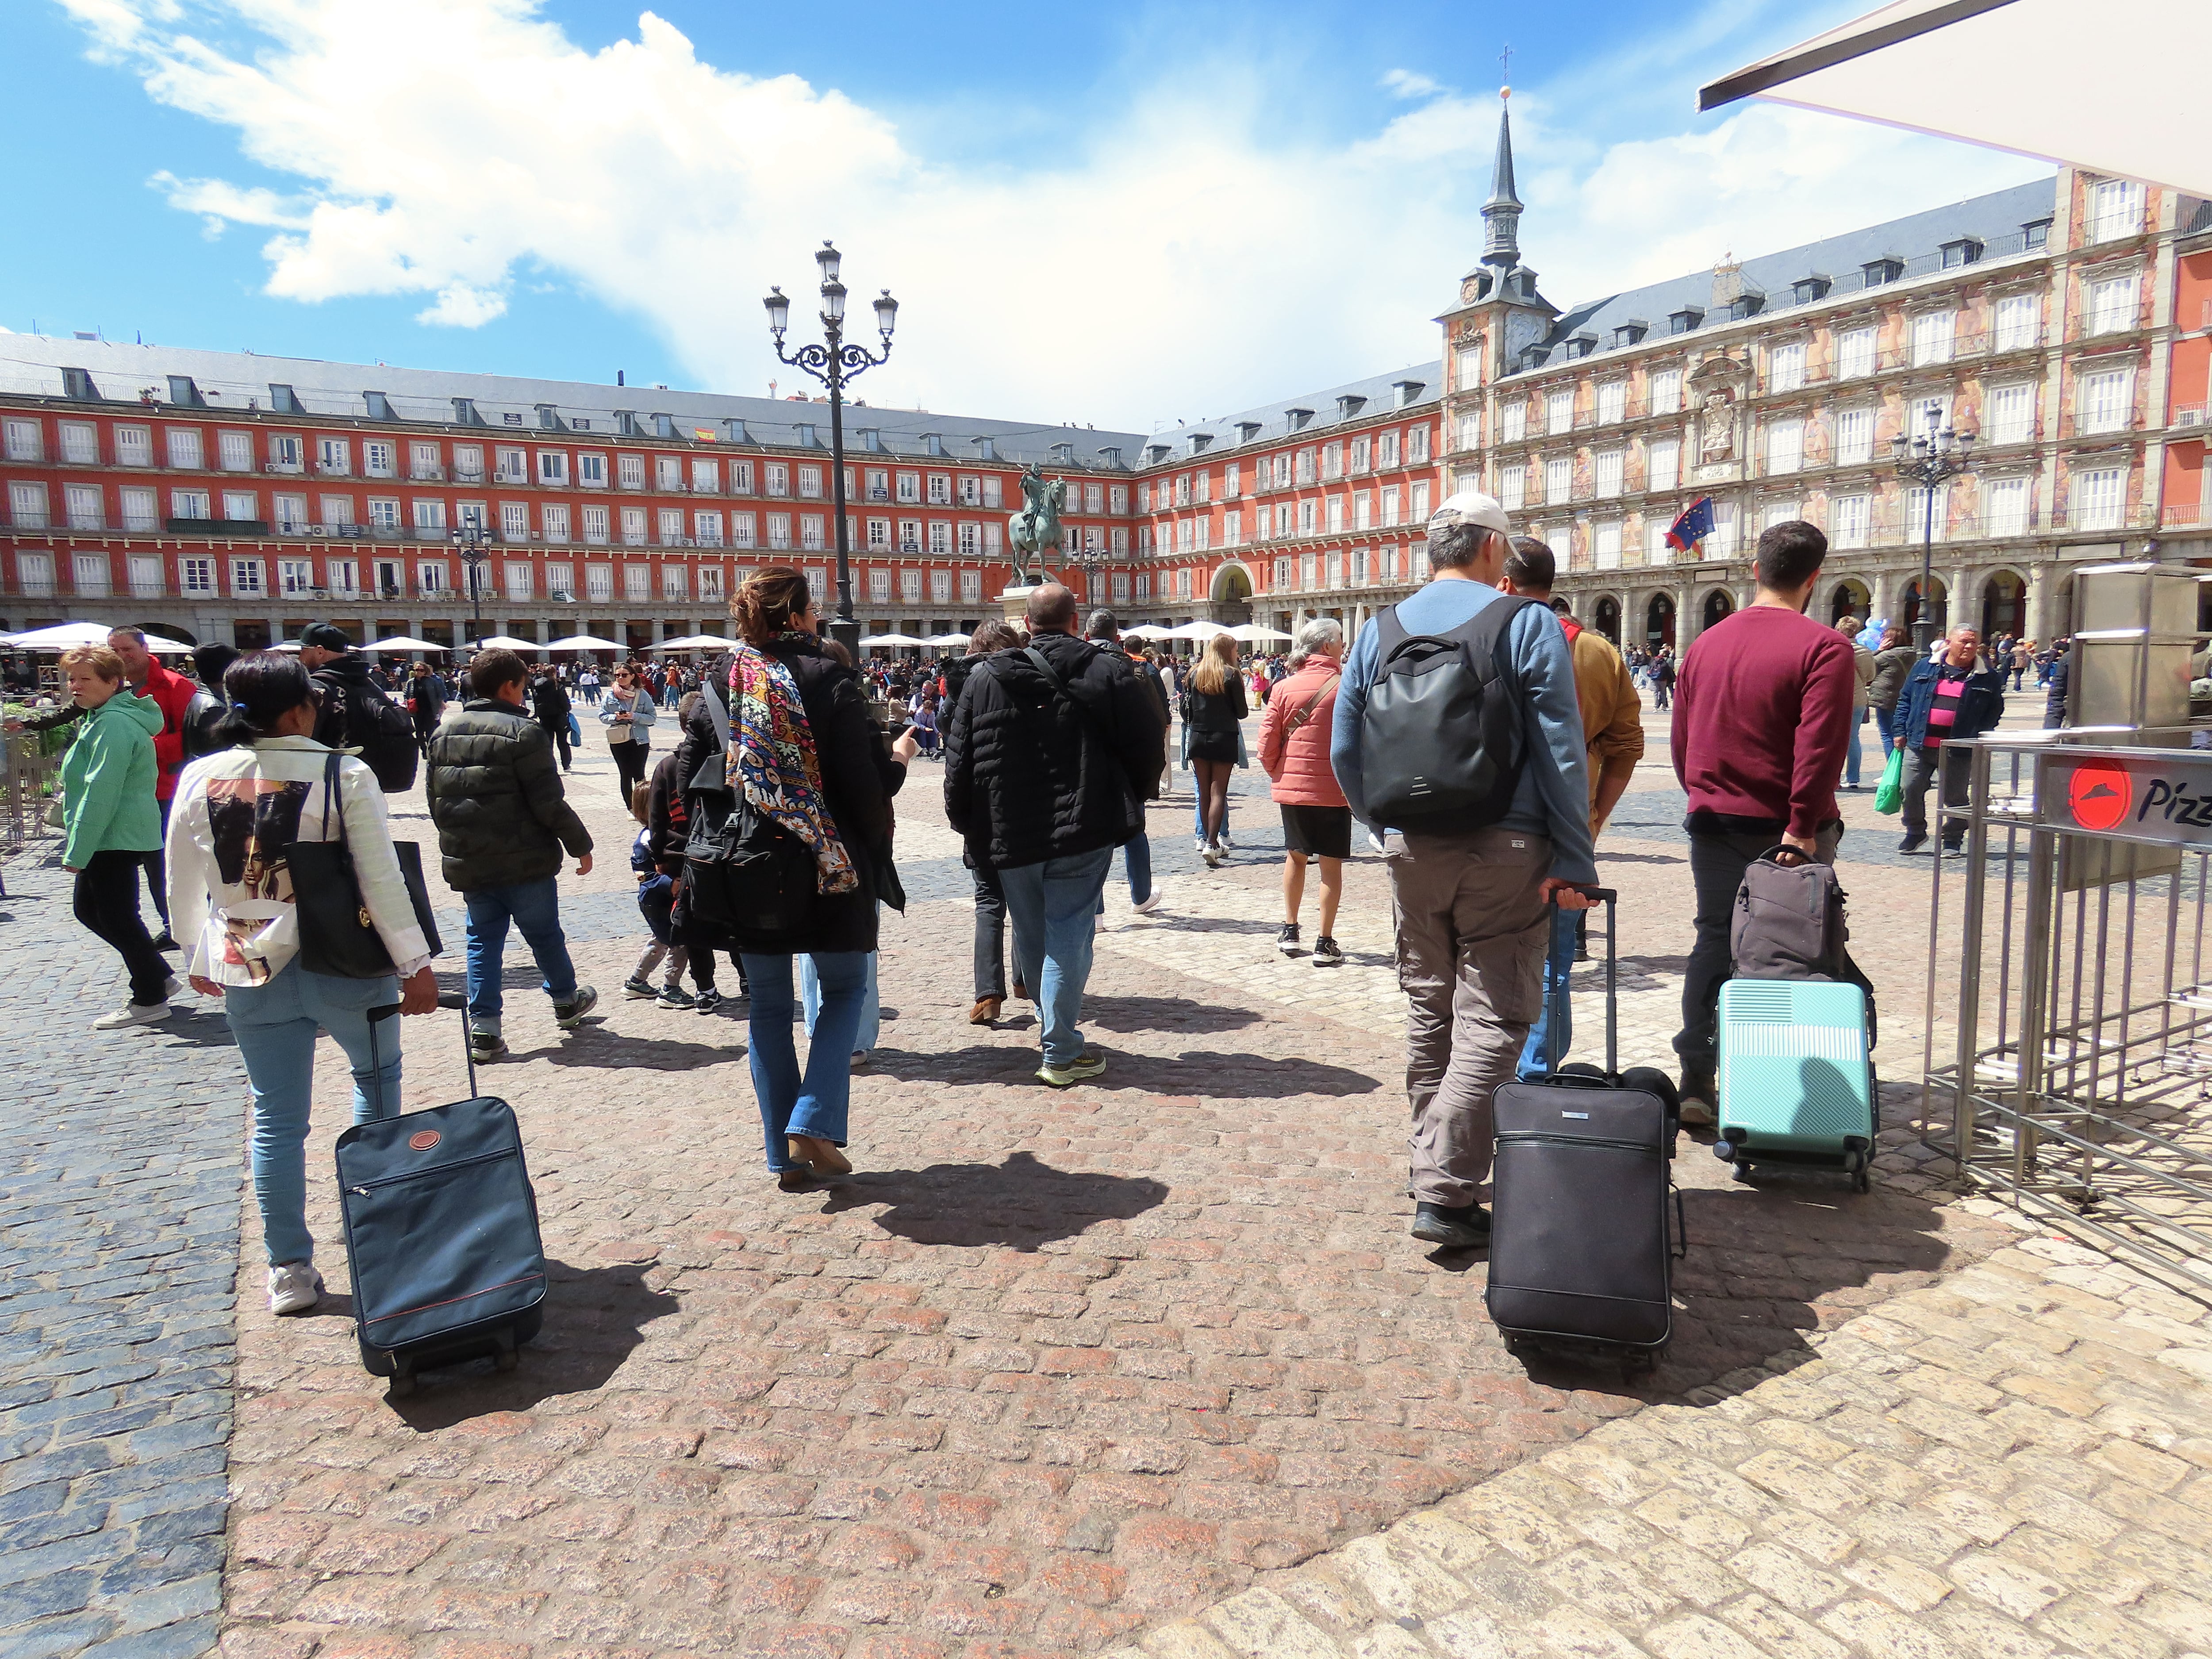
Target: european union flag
{"x":1693,"y":526}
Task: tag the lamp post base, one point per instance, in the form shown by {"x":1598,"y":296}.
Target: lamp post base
{"x":846,"y":630}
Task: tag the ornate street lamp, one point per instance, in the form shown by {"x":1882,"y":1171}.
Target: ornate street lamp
{"x":1929,"y":460}
{"x":468,"y":541}
{"x":834,"y":363}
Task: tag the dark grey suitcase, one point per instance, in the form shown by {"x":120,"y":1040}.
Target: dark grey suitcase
{"x":1585,"y":1224}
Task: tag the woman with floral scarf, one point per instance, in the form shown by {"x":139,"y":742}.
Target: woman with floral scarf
{"x":805,"y":750}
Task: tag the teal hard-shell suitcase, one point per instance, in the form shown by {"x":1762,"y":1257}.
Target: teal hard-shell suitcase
{"x":1796,"y":1082}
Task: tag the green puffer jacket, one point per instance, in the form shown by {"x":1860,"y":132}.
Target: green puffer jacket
{"x":495,"y":796}
{"x":108,"y":778}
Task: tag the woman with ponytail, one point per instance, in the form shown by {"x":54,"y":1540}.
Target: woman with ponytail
{"x":236,"y":816}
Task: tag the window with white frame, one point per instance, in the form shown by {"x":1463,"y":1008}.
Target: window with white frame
{"x":1612,"y":401}
{"x":1232,"y":532}
{"x":971,"y":539}
{"x":1558,"y":479}
{"x":195,"y":576}
{"x":1513,"y":421}
{"x":333,"y":456}
{"x":940,"y":587}
{"x":84,"y":506}
{"x":1778,"y":512}
{"x":706,"y":475}
{"x":384,"y":515}
{"x":667,"y":472}
{"x":335,"y":510}
{"x":2105,"y":401}
{"x":674,"y":581}
{"x":1786,"y":367}
{"x":552,"y":466}
{"x":710,"y":584}
{"x":1853,"y":437}
{"x":430,"y":515}
{"x":376,"y":461}
{"x":343,"y":576}
{"x":2004,"y":506}
{"x":1513,"y":487}
{"x":139,"y":512}
{"x":468,"y":462}
{"x":1390,"y":505}
{"x":1663,"y":464}
{"x":971,"y":587}
{"x":1785,"y":446}
{"x":634,"y":532}
{"x":592,"y":472}
{"x":630,"y":472}
{"x":2099,"y":498}
{"x":941,"y":538}
{"x":2011,"y":415}
{"x":1656,"y":550}
{"x":514,"y":521}
{"x":707,"y":529}
{"x":430,"y":577}
{"x":994,"y":540}
{"x":637,"y":582}
{"x":595,"y":525}
{"x":34,"y":574}
{"x":187,"y":452}
{"x":289,"y":513}
{"x":146,"y":576}
{"x":1470,"y":429}
{"x":741,"y":478}
{"x":296,"y":577}
{"x":244,"y":505}
{"x":879,"y":585}
{"x":1606,"y":467}
{"x":554,"y":515}
{"x":1560,"y":410}
{"x":1932,"y":332}
{"x":23,"y":440}
{"x":2019,"y":321}
{"x":2111,"y":305}
{"x":599,"y":582}
{"x":1305,"y":517}
{"x":134,"y":447}
{"x":1848,"y":518}
{"x":561,"y":581}
{"x":520,"y":581}
{"x":424,"y":460}
{"x":235,"y":450}
{"x":910,"y":586}
{"x":2116,"y":209}
{"x":1386,"y":452}
{"x":1605,"y":543}
{"x":189,"y":504}
{"x":1916,"y":508}
{"x":778,"y":531}
{"x":92,"y":575}
{"x":811,"y":533}
{"x":1417,"y":446}
{"x":1854,"y":352}
{"x":671,"y":527}
{"x":1667,"y":392}
{"x":80,"y":443}
{"x":908,"y":489}
{"x":247,"y":578}
{"x":1721,"y":544}
{"x":1333,"y":563}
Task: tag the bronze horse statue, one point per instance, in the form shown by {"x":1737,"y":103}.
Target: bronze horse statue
{"x":1036,"y":529}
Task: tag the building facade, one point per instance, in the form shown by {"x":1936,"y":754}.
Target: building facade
{"x":2067,"y":324}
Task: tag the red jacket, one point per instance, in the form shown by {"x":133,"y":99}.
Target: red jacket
{"x":1297,"y":762}
{"x":175,"y":694}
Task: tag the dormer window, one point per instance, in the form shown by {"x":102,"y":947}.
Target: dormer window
{"x":2035,"y":234}
{"x":1349,"y":406}
{"x":1887,"y":268}
{"x":1749,"y":303}
{"x":1408,"y":391}
{"x":1581,"y":346}
{"x":1155,"y":453}
{"x":1961,"y":250}
{"x":1198,"y":442}
{"x":1630,"y":332}
{"x":1533,"y":357}
{"x":1685,"y":319}
{"x":1806,"y":290}
{"x":1247,"y":430}
{"x":1299,"y":418}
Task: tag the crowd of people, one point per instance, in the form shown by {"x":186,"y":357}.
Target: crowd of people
{"x":766,"y":838}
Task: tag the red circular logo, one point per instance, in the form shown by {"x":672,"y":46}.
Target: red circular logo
{"x":423,"y":1139}
{"x":2099,"y":794}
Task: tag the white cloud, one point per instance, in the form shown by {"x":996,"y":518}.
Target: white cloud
{"x":1182,"y":258}
{"x":1409,"y":83}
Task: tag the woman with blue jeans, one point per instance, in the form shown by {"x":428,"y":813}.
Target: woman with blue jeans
{"x":804,"y":752}
{"x":236,"y":816}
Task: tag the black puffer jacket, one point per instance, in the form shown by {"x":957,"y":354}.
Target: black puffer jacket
{"x":1027,"y":778}
{"x":858,"y":778}
{"x":495,"y":793}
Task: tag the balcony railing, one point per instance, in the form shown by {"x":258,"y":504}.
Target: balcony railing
{"x":427,"y":474}
{"x":216,"y":526}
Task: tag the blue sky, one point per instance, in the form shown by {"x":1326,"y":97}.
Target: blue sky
{"x":1123,"y":216}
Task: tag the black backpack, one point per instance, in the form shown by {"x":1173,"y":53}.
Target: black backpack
{"x":381,"y":729}
{"x":1441,"y":743}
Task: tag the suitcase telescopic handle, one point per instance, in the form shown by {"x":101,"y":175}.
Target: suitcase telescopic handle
{"x":376,"y":1017}
{"x":1609,"y":898}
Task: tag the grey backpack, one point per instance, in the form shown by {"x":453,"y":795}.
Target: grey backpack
{"x":1789,"y":921}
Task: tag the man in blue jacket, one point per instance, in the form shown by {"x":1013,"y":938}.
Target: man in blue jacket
{"x":1473,"y":908}
{"x":1946,"y":697}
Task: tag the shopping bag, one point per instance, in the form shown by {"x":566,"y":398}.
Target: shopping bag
{"x":1889,"y":794}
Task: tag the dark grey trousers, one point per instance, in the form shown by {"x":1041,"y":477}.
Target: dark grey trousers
{"x":990,"y":935}
{"x":1717,"y":865}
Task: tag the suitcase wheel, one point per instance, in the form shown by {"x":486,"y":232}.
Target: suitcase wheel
{"x":1725,"y":1149}
{"x":507,"y":1360}
{"x":1742,"y":1169}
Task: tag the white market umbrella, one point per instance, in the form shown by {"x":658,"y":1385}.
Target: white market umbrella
{"x":503,"y":642}
{"x":62,"y":636}
{"x":1255,"y":633}
{"x":696,"y":643}
{"x":2118,"y":92}
{"x":403,"y":642}
{"x":583,"y":642}
{"x":290,"y":647}
{"x":891,"y":640}
{"x":1145,"y":631}
{"x":163,"y":646}
{"x":1194,"y":630}
{"x":947,"y":639}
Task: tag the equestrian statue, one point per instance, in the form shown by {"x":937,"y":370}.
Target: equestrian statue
{"x":1036,"y":529}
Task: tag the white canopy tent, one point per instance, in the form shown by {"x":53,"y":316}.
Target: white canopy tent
{"x":1145,"y":631}
{"x":696,"y":643}
{"x":62,"y":636}
{"x":1193,"y":630}
{"x":505,"y":642}
{"x":582,"y":642}
{"x":2118,"y":90}
{"x":1257,"y":633}
{"x":943,"y":639}
{"x":403,"y":642}
{"x":892,"y":640}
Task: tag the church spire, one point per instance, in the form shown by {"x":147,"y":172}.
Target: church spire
{"x":1501,"y":242}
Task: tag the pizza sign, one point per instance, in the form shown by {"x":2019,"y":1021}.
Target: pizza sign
{"x":2131,"y":796}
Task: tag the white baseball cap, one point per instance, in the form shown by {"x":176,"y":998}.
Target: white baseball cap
{"x":1470,"y":506}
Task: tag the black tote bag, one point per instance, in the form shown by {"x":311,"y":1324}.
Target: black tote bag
{"x":336,"y":934}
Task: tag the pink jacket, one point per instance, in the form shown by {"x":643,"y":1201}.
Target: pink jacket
{"x":1297,"y":760}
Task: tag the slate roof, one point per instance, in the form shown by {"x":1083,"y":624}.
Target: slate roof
{"x":32,"y":363}
{"x":1379,"y":391}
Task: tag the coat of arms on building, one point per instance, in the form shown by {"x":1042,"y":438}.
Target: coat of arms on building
{"x":1717,"y":388}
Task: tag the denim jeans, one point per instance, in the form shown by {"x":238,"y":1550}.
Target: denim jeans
{"x":534,"y":907}
{"x":1851,"y":754}
{"x":1553,"y":1033}
{"x":1051,"y":905}
{"x":1136,"y":865}
{"x":276,"y":1025}
{"x":1881,"y":724}
{"x":810,"y":998}
{"x":815,"y":1104}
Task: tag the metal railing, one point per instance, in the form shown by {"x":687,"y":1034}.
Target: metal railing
{"x":2080,"y":1079}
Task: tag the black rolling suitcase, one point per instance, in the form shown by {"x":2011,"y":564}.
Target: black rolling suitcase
{"x":1583,"y":1231}
{"x":441,"y":1234}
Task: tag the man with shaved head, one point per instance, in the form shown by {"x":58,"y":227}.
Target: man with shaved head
{"x":1049,"y":757}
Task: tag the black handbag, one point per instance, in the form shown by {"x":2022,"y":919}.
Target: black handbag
{"x":336,"y":936}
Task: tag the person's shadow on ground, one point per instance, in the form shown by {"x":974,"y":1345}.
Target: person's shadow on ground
{"x":1022,"y":1203}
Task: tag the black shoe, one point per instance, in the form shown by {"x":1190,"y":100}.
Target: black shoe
{"x":1954,"y":849}
{"x":1287,"y":940}
{"x":1326,"y":953}
{"x":163,"y":942}
{"x":1465,"y":1228}
{"x":1913,"y":842}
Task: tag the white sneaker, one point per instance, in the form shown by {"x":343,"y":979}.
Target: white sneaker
{"x":171,"y":987}
{"x":130,"y":1014}
{"x":1151,"y":902}
{"x":294,"y":1288}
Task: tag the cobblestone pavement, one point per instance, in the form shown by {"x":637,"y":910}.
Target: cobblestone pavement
{"x":118,"y":1241}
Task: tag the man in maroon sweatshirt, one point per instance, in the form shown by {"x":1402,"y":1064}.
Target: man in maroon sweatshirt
{"x":1762,"y":717}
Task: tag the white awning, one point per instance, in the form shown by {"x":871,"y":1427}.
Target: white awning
{"x":696,"y":643}
{"x":403,"y":642}
{"x":583,"y":642}
{"x":62,"y":636}
{"x":2118,"y":88}
{"x":505,"y":642}
{"x":890,"y":640}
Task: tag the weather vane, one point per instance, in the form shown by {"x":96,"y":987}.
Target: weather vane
{"x":1505,"y":68}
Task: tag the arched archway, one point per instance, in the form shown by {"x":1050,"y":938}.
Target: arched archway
{"x":1851,"y":598}
{"x":1606,"y":618}
{"x":1939,"y":605}
{"x":2004,"y":605}
{"x":1659,"y":621}
{"x":1229,"y":598}
{"x":1560,"y":607}
{"x":168,"y":631}
{"x":1718,"y":608}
